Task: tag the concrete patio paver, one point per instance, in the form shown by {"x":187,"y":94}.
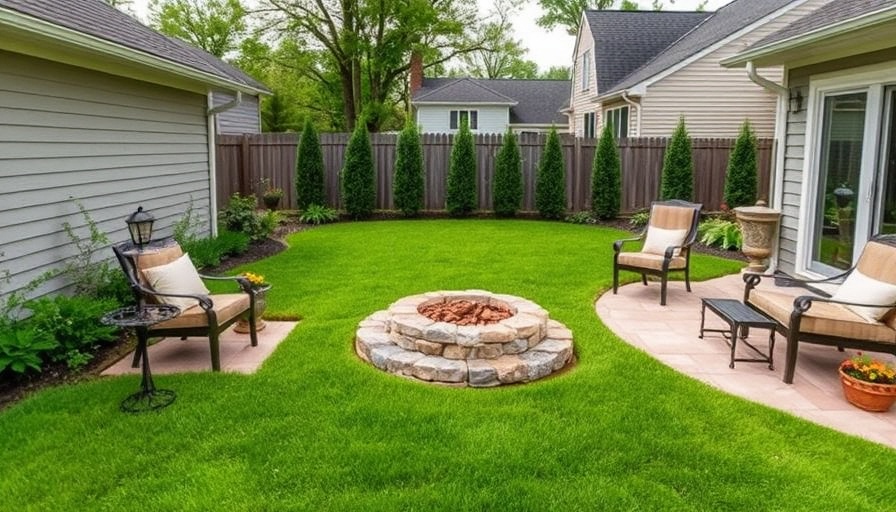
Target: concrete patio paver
{"x":670,"y":334}
{"x":173,"y":355}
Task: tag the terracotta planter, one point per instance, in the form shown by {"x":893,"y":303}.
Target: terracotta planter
{"x":242,"y":325}
{"x":867,"y":395}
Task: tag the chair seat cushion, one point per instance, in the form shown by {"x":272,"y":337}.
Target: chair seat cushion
{"x":226,"y":307}
{"x":649,"y":260}
{"x":822,"y":318}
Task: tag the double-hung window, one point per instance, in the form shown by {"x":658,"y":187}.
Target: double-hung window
{"x":457,"y":117}
{"x":589,"y":123}
{"x":586,"y":69}
{"x":618,"y":119}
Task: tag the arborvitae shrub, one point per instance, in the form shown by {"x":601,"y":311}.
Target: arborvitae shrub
{"x":309,"y":169}
{"x":678,"y":168}
{"x":550,"y":186}
{"x":508,"y":185}
{"x":358,"y":186}
{"x":606,"y":181}
{"x":741,"y":180}
{"x":461,"y":195}
{"x":407,"y":184}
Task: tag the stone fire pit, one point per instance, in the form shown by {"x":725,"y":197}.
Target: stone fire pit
{"x":511,"y":339}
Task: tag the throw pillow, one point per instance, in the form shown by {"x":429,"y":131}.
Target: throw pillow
{"x":659,"y":239}
{"x":865,"y":290}
{"x":179,"y":276}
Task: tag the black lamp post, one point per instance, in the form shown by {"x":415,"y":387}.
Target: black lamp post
{"x":140,"y":227}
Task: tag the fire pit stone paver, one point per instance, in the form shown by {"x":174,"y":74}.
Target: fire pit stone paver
{"x":524,"y":347}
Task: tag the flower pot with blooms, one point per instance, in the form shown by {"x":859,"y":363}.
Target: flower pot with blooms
{"x":868,"y":384}
{"x":260,"y":289}
{"x":271,"y":195}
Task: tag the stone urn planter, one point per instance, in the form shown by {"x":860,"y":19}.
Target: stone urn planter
{"x":867,"y":395}
{"x":758,"y":224}
{"x":242,"y":325}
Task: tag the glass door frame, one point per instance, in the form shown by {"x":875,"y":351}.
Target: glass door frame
{"x":871,"y":80}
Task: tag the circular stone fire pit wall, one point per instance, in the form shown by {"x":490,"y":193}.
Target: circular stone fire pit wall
{"x":524,"y":347}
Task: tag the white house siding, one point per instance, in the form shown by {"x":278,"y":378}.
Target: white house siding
{"x":436,"y":118}
{"x":109,"y":142}
{"x":582,"y":101}
{"x":244,"y":118}
{"x":715,"y":100}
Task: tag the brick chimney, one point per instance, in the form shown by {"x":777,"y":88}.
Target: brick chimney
{"x":416,"y":72}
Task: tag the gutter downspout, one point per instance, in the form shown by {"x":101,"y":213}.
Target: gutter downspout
{"x":636,"y":106}
{"x":777,"y":192}
{"x":210,"y":113}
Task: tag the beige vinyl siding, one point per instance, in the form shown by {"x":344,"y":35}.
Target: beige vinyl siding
{"x":715,"y":100}
{"x":244,"y":118}
{"x":582,"y":102}
{"x":111,"y":143}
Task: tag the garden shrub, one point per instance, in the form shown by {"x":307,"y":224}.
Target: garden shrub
{"x":317,"y":214}
{"x":87,"y":271}
{"x":460,"y":199}
{"x":677,"y":180}
{"x":358,"y":183}
{"x":241,"y":216}
{"x":407,"y":186}
{"x":639,"y":219}
{"x":550,"y":185}
{"x":309,"y":169}
{"x":606,"y":180}
{"x":21,"y":348}
{"x":73,"y":323}
{"x":580,"y":218}
{"x":741,"y":179}
{"x":721,"y":233}
{"x":507,"y":193}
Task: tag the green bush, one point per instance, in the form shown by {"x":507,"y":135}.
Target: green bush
{"x":639,"y":219}
{"x":232,"y":243}
{"x":21,"y":348}
{"x":507,"y":194}
{"x":580,"y":218}
{"x":741,"y":180}
{"x":73,"y":323}
{"x":317,"y":214}
{"x":721,"y":233}
{"x":89,"y":271}
{"x":241,"y":216}
{"x":208,"y":252}
{"x":550,"y":184}
{"x":309,"y":169}
{"x":358,"y":183}
{"x":677,"y":180}
{"x":407,"y":186}
{"x":606,"y":180}
{"x":461,"y":195}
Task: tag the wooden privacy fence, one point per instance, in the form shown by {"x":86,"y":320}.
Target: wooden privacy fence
{"x":244,"y":160}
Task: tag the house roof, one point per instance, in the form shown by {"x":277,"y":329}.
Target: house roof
{"x":731,"y":18}
{"x":830,"y":14}
{"x":530,"y":101}
{"x":98,"y":19}
{"x":626,"y":40}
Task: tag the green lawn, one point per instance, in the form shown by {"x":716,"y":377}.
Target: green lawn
{"x":317,"y":429}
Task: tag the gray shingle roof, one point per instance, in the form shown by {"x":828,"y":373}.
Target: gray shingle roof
{"x":537,"y":101}
{"x":830,"y":14}
{"x":99,"y":19}
{"x":721,"y":24}
{"x":626,"y":40}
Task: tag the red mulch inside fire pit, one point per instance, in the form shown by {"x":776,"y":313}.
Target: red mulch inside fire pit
{"x":465,"y":312}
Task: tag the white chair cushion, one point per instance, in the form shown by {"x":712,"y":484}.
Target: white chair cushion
{"x":179,"y":276}
{"x":862,"y":289}
{"x":659,"y":239}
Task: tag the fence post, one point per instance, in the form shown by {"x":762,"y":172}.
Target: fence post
{"x":244,"y":165}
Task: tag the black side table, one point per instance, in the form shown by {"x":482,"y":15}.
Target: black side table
{"x":141,"y":318}
{"x":740,"y":318}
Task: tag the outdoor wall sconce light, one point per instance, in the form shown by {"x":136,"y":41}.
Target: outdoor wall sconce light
{"x":796,"y":101}
{"x":140,"y":227}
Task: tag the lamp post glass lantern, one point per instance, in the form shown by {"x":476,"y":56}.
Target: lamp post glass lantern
{"x":140,"y":226}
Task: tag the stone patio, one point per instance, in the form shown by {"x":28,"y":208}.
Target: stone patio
{"x":173,"y":355}
{"x":670,"y":334}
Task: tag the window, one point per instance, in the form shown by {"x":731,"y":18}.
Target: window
{"x":586,"y":69}
{"x":459,"y":116}
{"x":618,"y":118}
{"x":588,"y":126}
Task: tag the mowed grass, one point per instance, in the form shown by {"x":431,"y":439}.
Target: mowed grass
{"x":317,"y":429}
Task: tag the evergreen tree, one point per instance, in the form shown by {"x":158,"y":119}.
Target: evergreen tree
{"x":508,"y":185}
{"x":407,"y":185}
{"x":550,"y":185}
{"x":678,"y":168}
{"x":358,"y":183}
{"x":606,"y":181}
{"x":461,"y":195}
{"x":741,"y":180}
{"x":309,"y":170}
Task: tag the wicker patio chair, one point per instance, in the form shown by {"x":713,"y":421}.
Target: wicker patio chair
{"x":670,"y":232}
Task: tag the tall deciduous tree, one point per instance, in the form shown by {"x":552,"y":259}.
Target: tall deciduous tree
{"x":358,"y":182}
{"x":407,"y":185}
{"x":677,"y":180}
{"x":460,"y":198}
{"x":501,"y":56}
{"x":507,"y":193}
{"x":550,"y":185}
{"x":216,"y":26}
{"x":309,"y":169}
{"x":606,"y":182}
